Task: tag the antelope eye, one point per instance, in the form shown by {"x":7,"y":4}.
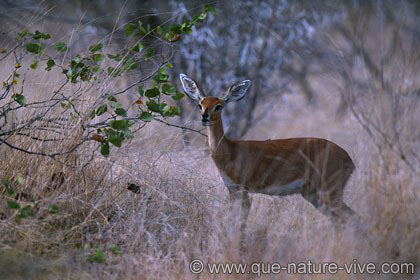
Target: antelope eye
{"x":218,"y":107}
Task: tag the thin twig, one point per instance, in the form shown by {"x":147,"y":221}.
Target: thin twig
{"x":53,"y":155}
{"x":182,"y":127}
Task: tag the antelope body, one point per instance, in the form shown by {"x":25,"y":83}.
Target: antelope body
{"x":315,"y":168}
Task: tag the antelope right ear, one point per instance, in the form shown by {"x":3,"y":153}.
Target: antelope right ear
{"x":190,"y":87}
{"x":237,"y":91}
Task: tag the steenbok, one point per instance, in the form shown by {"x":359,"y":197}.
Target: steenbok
{"x":315,"y":168}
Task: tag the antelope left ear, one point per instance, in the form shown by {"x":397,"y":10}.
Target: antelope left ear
{"x":237,"y":91}
{"x":190,"y":87}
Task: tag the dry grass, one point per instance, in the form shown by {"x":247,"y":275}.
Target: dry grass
{"x":182,"y":212}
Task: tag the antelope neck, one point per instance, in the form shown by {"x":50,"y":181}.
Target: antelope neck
{"x":216,"y":137}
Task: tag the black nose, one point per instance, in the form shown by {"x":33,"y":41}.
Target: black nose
{"x":205,"y":115}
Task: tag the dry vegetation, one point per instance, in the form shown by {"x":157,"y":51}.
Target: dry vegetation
{"x":181,"y":210}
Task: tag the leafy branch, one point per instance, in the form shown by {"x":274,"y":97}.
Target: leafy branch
{"x":85,"y":105}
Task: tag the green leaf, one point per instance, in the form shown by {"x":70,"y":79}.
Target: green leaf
{"x":210,"y":9}
{"x":142,"y":30}
{"x":34,"y":48}
{"x":101,"y":109}
{"x":120,"y":111}
{"x":116,"y":57}
{"x":153,"y":106}
{"x":140,"y":90}
{"x":168,"y":89}
{"x":200,"y":17}
{"x":159,"y":30}
{"x":98,"y":57}
{"x":11,"y":192}
{"x":170,"y":65}
{"x":117,"y":142}
{"x":96,"y":48}
{"x":169,"y":37}
{"x":114,"y":249}
{"x":146,"y":116}
{"x":149,"y":53}
{"x":23,"y":34}
{"x":98,"y":257}
{"x":105,"y":148}
{"x":119,"y":124}
{"x":76,"y":61}
{"x":138,"y":47}
{"x":127,"y":133}
{"x":157,"y":107}
{"x":61,"y":47}
{"x":19,"y":98}
{"x":27,"y":211}
{"x":92,"y":114}
{"x":20,"y":180}
{"x":34,"y":64}
{"x":5,"y":182}
{"x":12,"y":204}
{"x":176,"y":28}
{"x":187,"y":28}
{"x":129,"y":29}
{"x":111,"y":97}
{"x":39,"y":35}
{"x":178,"y":96}
{"x":173,"y":111}
{"x":116,"y":138}
{"x":153,"y":92}
{"x":53,"y":209}
{"x":161,"y":76}
{"x":50,"y":64}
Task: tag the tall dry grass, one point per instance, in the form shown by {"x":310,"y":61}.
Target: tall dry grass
{"x":181,"y":211}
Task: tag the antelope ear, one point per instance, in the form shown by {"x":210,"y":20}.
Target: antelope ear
{"x":190,"y":87}
{"x":237,"y":91}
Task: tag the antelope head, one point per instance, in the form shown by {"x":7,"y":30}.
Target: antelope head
{"x":211,"y":106}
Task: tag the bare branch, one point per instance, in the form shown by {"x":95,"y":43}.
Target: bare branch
{"x":182,"y":127}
